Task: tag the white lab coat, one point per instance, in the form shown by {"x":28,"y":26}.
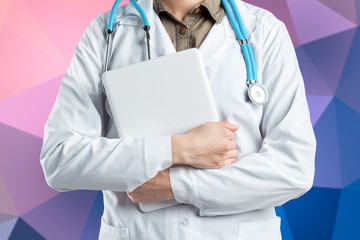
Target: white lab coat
{"x":276,"y":142}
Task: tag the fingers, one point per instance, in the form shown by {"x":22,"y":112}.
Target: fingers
{"x":229,"y":161}
{"x":233,"y":154}
{"x":226,"y":162}
{"x":230,"y":126}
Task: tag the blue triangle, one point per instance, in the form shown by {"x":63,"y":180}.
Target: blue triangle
{"x":327,"y":160}
{"x":328,"y":59}
{"x":22,"y":230}
{"x":285,"y":228}
{"x":349,"y":86}
{"x":348,"y":127}
{"x":313,"y":81}
{"x":355,"y":186}
{"x":348,"y":217}
{"x":92,"y":226}
{"x":7,"y":227}
{"x":312,"y":216}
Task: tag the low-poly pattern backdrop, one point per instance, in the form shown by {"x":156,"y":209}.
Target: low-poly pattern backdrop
{"x":37,"y":40}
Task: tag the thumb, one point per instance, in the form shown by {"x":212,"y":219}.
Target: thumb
{"x":230,"y":126}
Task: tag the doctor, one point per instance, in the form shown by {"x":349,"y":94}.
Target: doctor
{"x":233,"y":172}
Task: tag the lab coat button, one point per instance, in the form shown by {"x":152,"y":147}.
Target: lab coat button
{"x":183,"y":222}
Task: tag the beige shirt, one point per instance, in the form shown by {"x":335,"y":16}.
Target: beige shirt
{"x":191,"y":32}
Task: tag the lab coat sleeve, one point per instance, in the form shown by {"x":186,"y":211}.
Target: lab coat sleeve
{"x":283,"y":168}
{"x":75,"y":154}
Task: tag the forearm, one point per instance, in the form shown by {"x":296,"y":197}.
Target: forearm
{"x":255,"y":181}
{"x":283,"y":166}
{"x":75,"y":153}
{"x":281,"y":170}
{"x":80,"y":162}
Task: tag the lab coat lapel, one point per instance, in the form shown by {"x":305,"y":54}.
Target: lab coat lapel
{"x":222,"y":38}
{"x":160,"y":42}
{"x":218,"y":41}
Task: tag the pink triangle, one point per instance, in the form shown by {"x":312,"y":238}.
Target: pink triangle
{"x":19,"y":11}
{"x":92,"y":7}
{"x":29,"y":110}
{"x":4,"y":6}
{"x":313,"y":20}
{"x":24,"y":66}
{"x":6,"y":204}
{"x":64,"y":22}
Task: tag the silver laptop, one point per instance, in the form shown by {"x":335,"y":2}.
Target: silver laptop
{"x":167,"y":95}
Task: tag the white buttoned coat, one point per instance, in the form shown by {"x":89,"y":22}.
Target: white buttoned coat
{"x":276,"y":142}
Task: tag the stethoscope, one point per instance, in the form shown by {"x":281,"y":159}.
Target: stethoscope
{"x":257,"y":92}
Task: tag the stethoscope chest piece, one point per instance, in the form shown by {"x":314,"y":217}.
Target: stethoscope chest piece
{"x":257,"y":93}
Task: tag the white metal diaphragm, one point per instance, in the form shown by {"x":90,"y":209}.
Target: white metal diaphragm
{"x":257,"y":93}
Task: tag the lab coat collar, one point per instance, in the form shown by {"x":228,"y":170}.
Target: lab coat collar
{"x":220,"y":38}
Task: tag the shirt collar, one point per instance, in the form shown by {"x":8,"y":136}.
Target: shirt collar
{"x":214,"y":7}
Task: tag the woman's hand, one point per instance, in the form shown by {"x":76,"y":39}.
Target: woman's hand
{"x":210,"y":145}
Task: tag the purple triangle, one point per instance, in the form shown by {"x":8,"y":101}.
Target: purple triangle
{"x":7,"y":227}
{"x":327,"y":158}
{"x":21,"y":170}
{"x":64,"y":216}
{"x":314,"y":82}
{"x":344,"y":8}
{"x":92,"y":227}
{"x":6,"y":203}
{"x":280,"y":9}
{"x":349,"y":87}
{"x":29,"y":110}
{"x":313,"y":20}
{"x":317,"y":105}
{"x":329,"y":58}
{"x":5,"y":217}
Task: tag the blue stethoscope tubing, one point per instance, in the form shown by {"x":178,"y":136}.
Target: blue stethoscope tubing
{"x":238,"y":27}
{"x":257,"y":92}
{"x":111,"y":27}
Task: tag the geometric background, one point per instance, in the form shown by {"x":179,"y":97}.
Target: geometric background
{"x":37,"y":40}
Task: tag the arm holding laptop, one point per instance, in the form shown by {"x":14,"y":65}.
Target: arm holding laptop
{"x":210,"y":145}
{"x":282,"y":169}
{"x":76,"y":152}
